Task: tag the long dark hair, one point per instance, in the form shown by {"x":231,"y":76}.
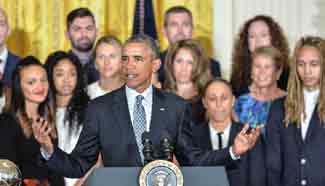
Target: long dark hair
{"x":17,"y":100}
{"x":75,"y":111}
{"x":242,"y":59}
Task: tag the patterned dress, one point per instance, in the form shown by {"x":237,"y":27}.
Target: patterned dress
{"x":252,"y":111}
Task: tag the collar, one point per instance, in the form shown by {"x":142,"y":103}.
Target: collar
{"x":4,"y":55}
{"x":131,"y":94}
{"x":311,"y":96}
{"x":214,"y":131}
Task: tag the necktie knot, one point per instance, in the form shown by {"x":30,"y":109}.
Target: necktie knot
{"x":139,"y":99}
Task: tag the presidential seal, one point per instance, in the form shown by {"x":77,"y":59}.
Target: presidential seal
{"x":161,"y":173}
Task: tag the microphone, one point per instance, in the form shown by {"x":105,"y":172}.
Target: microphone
{"x":167,"y":147}
{"x":147,"y":148}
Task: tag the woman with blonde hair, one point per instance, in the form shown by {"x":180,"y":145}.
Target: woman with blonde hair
{"x":295,"y":128}
{"x":253,"y":107}
{"x":108,"y":56}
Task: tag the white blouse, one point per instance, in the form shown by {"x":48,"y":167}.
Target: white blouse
{"x":310,"y":100}
{"x":67,"y":137}
{"x":94,"y":90}
{"x":2,"y":103}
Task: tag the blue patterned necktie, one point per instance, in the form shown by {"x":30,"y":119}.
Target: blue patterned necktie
{"x":139,"y":122}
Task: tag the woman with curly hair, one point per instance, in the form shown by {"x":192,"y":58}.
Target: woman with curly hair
{"x":295,"y":128}
{"x":187,"y":71}
{"x":259,"y":31}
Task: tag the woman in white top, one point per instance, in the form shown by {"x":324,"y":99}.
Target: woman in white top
{"x":296,"y":124}
{"x":108,"y":54}
{"x":69,"y":97}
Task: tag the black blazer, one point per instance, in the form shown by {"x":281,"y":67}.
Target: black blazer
{"x":12,"y":61}
{"x":248,"y":171}
{"x":291,"y":160}
{"x":23,"y":151}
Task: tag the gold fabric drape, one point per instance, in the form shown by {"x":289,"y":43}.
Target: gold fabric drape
{"x":38,"y":26}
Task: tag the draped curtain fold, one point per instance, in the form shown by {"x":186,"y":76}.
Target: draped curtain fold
{"x":38,"y":27}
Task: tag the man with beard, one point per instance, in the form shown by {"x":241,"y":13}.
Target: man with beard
{"x":82,"y":32}
{"x":178,"y":25}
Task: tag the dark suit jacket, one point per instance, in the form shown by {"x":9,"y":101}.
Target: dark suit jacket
{"x":90,"y":71}
{"x":214,"y":67}
{"x":11,"y":64}
{"x":248,"y":171}
{"x":291,"y":160}
{"x":108,"y":129}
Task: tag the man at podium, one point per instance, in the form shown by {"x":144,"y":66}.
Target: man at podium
{"x":115,"y":122}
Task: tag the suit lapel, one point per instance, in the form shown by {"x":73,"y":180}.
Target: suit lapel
{"x":234,"y":129}
{"x":7,"y":67}
{"x":205,"y":138}
{"x":121,"y":111}
{"x":158,"y":114}
{"x":314,"y":127}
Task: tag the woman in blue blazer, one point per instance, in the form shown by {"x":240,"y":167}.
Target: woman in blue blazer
{"x":296,"y":127}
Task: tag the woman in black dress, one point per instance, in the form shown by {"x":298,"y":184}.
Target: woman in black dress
{"x":28,"y":104}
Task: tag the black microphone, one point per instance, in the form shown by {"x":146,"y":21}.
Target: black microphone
{"x":147,"y":148}
{"x":167,"y":147}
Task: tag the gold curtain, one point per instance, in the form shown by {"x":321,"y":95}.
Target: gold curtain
{"x":38,"y":26}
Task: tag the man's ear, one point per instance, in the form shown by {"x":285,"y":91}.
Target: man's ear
{"x":156,"y":65}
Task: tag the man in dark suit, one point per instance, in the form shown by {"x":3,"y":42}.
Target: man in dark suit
{"x":82,"y":32}
{"x":178,"y":25}
{"x":115,"y":122}
{"x":8,"y":60}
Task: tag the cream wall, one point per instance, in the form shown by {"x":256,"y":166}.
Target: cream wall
{"x":297,"y":18}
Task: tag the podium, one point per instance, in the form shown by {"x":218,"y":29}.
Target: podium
{"x":128,"y":176}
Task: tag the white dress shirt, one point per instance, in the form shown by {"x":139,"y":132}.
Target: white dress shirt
{"x":2,"y":102}
{"x":131,"y":95}
{"x":3,"y":58}
{"x":214,"y":137}
{"x":67,"y":138}
{"x":94,"y":90}
{"x":310,"y":100}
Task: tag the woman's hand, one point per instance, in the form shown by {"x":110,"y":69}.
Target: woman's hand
{"x":41,"y":132}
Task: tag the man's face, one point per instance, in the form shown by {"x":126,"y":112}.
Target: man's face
{"x":138,"y":65}
{"x":4,"y":28}
{"x":82,"y":33}
{"x":179,"y":27}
